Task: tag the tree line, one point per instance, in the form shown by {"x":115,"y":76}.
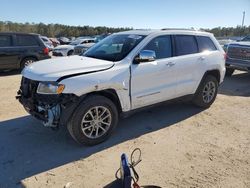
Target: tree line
{"x":58,"y":30}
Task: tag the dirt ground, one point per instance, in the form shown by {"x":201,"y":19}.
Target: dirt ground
{"x":182,"y":146}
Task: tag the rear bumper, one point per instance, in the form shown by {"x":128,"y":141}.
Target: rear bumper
{"x":238,"y":64}
{"x":43,"y":57}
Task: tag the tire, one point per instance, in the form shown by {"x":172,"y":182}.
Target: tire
{"x":27,"y":61}
{"x":70,"y":53}
{"x":206,"y":92}
{"x":84,"y":126}
{"x":229,"y":71}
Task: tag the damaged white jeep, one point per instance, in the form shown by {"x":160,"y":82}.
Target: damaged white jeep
{"x":124,"y":72}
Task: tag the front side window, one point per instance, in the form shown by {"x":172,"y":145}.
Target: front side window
{"x":114,"y":47}
{"x":205,"y":44}
{"x":5,"y":40}
{"x":161,"y":45}
{"x":185,"y":44}
{"x":26,"y":40}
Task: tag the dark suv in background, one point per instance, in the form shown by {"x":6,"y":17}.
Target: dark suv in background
{"x":20,"y":49}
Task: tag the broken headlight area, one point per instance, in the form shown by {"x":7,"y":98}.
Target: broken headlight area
{"x":48,"y":108}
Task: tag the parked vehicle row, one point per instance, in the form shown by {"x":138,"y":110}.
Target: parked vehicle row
{"x":67,"y":50}
{"x":121,"y":74}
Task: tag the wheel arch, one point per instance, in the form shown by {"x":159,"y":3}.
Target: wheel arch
{"x":26,"y":57}
{"x":214,"y":72}
{"x":110,"y":94}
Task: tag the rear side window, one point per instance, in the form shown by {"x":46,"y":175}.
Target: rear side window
{"x":205,"y":44}
{"x":26,"y":40}
{"x":185,"y":44}
{"x":5,"y":40}
{"x":161,"y":45}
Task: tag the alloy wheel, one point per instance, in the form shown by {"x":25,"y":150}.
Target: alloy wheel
{"x":209,"y":92}
{"x":96,"y":122}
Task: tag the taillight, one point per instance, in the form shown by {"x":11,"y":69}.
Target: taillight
{"x":46,"y":51}
{"x":225,"y":56}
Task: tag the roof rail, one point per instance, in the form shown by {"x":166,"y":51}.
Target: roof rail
{"x":191,"y":29}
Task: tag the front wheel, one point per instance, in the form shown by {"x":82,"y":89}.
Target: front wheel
{"x":93,"y":121}
{"x":207,"y":92}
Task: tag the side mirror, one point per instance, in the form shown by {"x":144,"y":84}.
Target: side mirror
{"x":145,"y":56}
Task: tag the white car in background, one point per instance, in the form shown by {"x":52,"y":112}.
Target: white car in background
{"x":67,"y":50}
{"x":47,"y":42}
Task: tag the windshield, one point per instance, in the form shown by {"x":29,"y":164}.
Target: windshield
{"x":114,"y":47}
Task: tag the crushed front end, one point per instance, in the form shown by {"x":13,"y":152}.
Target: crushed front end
{"x":51,"y":109}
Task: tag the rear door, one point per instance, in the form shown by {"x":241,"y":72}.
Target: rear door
{"x":25,"y":45}
{"x":188,"y":62}
{"x":7,"y":59}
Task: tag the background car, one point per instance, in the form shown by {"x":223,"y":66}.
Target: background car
{"x":54,"y":41}
{"x":67,"y":50}
{"x":63,"y":40}
{"x":81,"y":48}
{"x":18,"y":50}
{"x":47,"y":42}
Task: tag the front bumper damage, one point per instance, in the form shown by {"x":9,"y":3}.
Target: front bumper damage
{"x":52,"y":110}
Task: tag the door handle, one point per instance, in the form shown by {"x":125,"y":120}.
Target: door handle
{"x":170,"y":64}
{"x":201,"y":58}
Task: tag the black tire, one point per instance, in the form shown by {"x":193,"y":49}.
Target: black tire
{"x":70,"y":53}
{"x":27,"y":61}
{"x":75,"y":125}
{"x":229,"y":71}
{"x":200,"y":98}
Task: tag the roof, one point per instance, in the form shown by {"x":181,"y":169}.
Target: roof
{"x":19,"y":33}
{"x":167,"y":31}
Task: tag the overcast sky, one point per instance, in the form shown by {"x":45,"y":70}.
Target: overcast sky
{"x":153,"y":14}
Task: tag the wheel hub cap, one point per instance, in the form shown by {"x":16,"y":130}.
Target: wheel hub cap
{"x":96,"y":122}
{"x":208,"y":93}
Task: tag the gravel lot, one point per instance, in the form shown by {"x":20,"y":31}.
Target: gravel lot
{"x":182,"y":146}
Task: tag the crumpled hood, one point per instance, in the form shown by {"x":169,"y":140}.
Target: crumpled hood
{"x":55,"y":68}
{"x":64,"y":47}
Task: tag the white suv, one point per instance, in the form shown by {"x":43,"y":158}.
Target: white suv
{"x":124,"y":72}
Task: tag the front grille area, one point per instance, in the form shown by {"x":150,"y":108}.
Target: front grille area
{"x":28,"y":87}
{"x":239,"y":52}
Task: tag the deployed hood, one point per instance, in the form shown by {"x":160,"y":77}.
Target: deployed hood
{"x":64,"y":47}
{"x":54,"y":69}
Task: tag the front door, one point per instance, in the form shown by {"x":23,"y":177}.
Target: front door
{"x":153,"y":82}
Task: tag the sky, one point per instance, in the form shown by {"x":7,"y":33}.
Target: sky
{"x":153,"y":14}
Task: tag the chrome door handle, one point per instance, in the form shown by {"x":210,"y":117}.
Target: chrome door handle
{"x":170,"y":64}
{"x":201,"y":58}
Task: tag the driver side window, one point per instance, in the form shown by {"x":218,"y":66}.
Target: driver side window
{"x":161,"y":45}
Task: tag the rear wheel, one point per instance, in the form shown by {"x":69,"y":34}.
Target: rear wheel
{"x":207,"y":92}
{"x":229,"y":71}
{"x":94,"y":120}
{"x":27,"y":61}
